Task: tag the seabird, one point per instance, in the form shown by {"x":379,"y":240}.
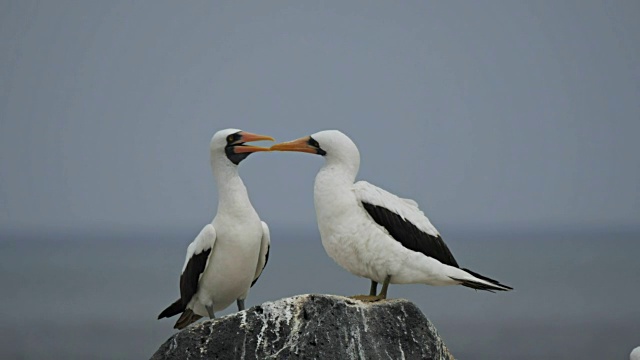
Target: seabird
{"x":227,"y":257}
{"x":373,"y":233}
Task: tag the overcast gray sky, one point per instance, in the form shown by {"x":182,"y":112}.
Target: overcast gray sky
{"x":492,"y":113}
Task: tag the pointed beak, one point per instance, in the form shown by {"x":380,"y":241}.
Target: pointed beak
{"x":248,"y":137}
{"x":300,"y":145}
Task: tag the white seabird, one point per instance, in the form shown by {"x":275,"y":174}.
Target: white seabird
{"x":373,"y":233}
{"x":229,"y":254}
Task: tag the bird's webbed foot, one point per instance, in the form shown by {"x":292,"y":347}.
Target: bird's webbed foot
{"x":367,"y":298}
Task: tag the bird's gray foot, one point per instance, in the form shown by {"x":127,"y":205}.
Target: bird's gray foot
{"x":212,"y":315}
{"x":240,"y":303}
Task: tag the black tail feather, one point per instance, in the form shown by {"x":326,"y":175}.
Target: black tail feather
{"x":481,"y":286}
{"x":174,"y":309}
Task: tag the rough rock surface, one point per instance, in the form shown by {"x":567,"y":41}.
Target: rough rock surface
{"x":312,"y":327}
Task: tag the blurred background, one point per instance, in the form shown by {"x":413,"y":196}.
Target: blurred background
{"x":514,"y":125}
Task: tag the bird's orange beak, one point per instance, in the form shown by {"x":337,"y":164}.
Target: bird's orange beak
{"x":248,"y":137}
{"x":300,"y":145}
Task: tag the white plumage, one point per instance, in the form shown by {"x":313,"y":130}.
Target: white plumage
{"x":373,"y":233}
{"x":228,"y":255}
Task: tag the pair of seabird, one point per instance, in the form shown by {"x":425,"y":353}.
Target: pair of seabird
{"x":365,"y":229}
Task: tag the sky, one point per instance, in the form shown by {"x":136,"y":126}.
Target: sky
{"x":493,"y":114}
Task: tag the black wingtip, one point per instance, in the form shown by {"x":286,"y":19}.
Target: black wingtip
{"x":173,"y":309}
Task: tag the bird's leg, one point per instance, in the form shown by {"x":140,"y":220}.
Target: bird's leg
{"x":372,"y":292}
{"x":209,"y":308}
{"x":374,"y":288}
{"x":240,"y":303}
{"x":385,"y":286}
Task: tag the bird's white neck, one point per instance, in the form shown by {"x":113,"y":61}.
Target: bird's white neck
{"x":336,"y":174}
{"x":232,"y":194}
{"x":332,"y":188}
{"x":340,"y":169}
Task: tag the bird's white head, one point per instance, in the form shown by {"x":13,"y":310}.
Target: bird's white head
{"x":228,"y":145}
{"x":336,"y":147}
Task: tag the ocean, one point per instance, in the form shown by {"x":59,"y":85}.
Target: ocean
{"x":97,"y":295}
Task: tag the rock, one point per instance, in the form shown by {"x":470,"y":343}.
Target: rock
{"x":312,"y":327}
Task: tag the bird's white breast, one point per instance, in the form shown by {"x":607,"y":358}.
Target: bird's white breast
{"x":350,"y":240}
{"x":345,"y":229}
{"x":233,"y":261}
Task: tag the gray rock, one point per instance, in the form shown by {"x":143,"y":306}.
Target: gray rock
{"x":312,"y":327}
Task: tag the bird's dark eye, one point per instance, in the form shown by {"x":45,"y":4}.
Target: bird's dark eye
{"x":313,"y":142}
{"x":230,"y":138}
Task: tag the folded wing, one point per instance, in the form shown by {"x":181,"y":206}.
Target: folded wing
{"x":197,"y":259}
{"x":404,"y":222}
{"x":264,"y":252}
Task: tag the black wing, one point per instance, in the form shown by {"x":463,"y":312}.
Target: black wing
{"x":191,"y":275}
{"x":266,"y":260}
{"x":410,"y":236}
